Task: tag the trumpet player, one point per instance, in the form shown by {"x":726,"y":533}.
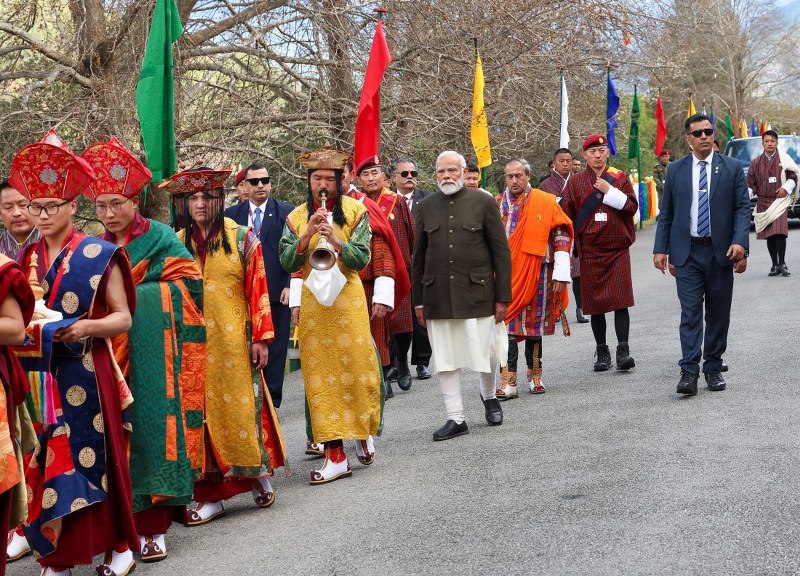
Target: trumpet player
{"x":342,"y":377}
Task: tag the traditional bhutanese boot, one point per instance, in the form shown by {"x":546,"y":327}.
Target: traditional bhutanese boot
{"x":535,"y":381}
{"x":118,"y":563}
{"x":508,"y":385}
{"x":335,"y":467}
{"x":203,"y":512}
{"x":365,"y":451}
{"x":263,"y":494}
{"x":314,"y":449}
{"x":17,"y":546}
{"x":152,"y":547}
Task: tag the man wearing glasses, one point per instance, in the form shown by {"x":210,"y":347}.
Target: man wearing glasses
{"x":601,"y":203}
{"x":405,"y":176}
{"x":162,"y":356}
{"x":79,"y":498}
{"x":266,"y":215}
{"x":703,"y":229}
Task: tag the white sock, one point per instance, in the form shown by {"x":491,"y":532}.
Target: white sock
{"x":120,"y":561}
{"x":50,"y":572}
{"x":450,"y":382}
{"x":265,"y":484}
{"x":209,"y":509}
{"x":488,"y":387}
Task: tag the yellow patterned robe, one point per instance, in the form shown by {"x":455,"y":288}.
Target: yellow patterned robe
{"x":242,"y":427}
{"x":340,"y":366}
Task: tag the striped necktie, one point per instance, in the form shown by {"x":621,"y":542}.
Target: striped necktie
{"x":703,"y":216}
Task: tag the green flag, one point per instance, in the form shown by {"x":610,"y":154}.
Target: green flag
{"x":729,"y":126}
{"x":633,"y":139}
{"x":155,"y":99}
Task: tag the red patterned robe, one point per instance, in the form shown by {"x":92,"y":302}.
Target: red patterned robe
{"x":603,"y":245}
{"x":402,"y":224}
{"x":758,"y":179}
{"x":555,"y":184}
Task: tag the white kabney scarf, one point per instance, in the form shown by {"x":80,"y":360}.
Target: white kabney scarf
{"x":780,"y":205}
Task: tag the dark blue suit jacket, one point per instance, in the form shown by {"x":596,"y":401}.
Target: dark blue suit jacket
{"x":729,"y":205}
{"x":271,"y":231}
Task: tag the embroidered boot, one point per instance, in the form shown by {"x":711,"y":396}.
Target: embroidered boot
{"x":335,"y":467}
{"x":535,"y":380}
{"x":508,"y":385}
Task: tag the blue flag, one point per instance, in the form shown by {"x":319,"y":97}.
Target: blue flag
{"x":713,"y":122}
{"x":753,"y":131}
{"x":612,"y":105}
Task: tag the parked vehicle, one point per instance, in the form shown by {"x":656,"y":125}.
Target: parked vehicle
{"x":747,"y":149}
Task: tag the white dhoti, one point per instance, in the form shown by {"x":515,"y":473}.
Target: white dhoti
{"x":475,"y":343}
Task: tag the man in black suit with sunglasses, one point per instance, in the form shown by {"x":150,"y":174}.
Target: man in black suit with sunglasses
{"x":266,"y":216}
{"x":703,"y":229}
{"x":405,"y":179}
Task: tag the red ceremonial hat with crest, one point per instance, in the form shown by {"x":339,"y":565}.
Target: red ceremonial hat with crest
{"x":594,"y":140}
{"x":118,"y":171}
{"x":49,"y":169}
{"x":368,"y":162}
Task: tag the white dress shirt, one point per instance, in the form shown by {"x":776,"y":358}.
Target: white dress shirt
{"x":252,"y":216}
{"x":409,"y":198}
{"x":695,"y":187}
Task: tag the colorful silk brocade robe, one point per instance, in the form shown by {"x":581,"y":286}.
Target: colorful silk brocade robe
{"x":163,"y":358}
{"x":764,"y":177}
{"x":15,"y":437}
{"x":243,"y":436}
{"x":539,"y":230}
{"x":78,"y":481}
{"x":603,"y":243}
{"x":340,"y":369}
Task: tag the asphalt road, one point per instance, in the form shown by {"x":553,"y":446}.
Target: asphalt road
{"x":609,"y":473}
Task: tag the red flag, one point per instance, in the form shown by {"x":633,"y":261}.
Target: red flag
{"x":661,"y":127}
{"x":368,"y":122}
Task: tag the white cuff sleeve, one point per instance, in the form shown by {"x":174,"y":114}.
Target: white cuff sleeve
{"x":750,"y":192}
{"x":789,"y":186}
{"x":384,"y":291}
{"x":615,"y":198}
{"x":295,"y":292}
{"x":561,"y":266}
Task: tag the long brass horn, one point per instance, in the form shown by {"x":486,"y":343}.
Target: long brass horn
{"x":323,"y":257}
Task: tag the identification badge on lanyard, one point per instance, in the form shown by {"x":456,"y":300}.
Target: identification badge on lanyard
{"x":772,"y":180}
{"x":601,"y":217}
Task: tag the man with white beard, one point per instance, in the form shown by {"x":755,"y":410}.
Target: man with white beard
{"x":461,"y":287}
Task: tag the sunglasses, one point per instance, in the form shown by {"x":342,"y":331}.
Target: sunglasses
{"x":255,"y":181}
{"x":407,"y":173}
{"x":698,"y":133}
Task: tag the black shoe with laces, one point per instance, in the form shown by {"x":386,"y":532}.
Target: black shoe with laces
{"x":774,"y":271}
{"x":784,"y":270}
{"x":603,"y":355}
{"x":715,"y":382}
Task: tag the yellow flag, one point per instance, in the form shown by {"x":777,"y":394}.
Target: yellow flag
{"x":743,"y":128}
{"x":480,"y":127}
{"x":692,"y":111}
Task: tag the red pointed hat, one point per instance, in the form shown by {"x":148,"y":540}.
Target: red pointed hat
{"x":192,"y":181}
{"x":595,"y":140}
{"x":49,"y":169}
{"x":118,"y":171}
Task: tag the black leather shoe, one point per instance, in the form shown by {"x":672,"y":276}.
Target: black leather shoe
{"x":774,"y":271}
{"x":579,"y":315}
{"x":423,"y":372}
{"x":724,"y":367}
{"x":714,"y":381}
{"x":603,"y":359}
{"x":624,"y":360}
{"x":688,"y":383}
{"x":389,"y":391}
{"x":404,"y":377}
{"x":785,"y":270}
{"x":494,"y":413}
{"x":391,"y":375}
{"x":450,"y":430}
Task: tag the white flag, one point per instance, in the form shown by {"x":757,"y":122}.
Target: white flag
{"x":564,"y":115}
